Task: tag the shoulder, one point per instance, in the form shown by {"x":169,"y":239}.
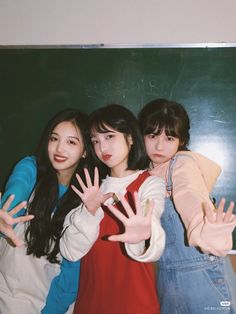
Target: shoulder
{"x":153,"y":183}
{"x":146,"y":178}
{"x":198,"y":163}
{"x":197,"y":160}
{"x":21,"y":180}
{"x":26,"y":167}
{"x":185,"y":156}
{"x":29,"y":161}
{"x":153,"y":188}
{"x":186,"y":159}
{"x":154,"y":179}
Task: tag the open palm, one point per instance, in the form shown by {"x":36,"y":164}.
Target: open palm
{"x":7,"y":221}
{"x":91,"y":194}
{"x":220,"y":216}
{"x":137,"y":225}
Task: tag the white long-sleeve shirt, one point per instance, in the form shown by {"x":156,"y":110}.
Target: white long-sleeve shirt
{"x":81,"y":228}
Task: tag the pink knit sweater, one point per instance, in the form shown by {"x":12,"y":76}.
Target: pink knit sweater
{"x":193,"y":178}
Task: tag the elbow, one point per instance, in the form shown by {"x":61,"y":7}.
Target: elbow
{"x":160,"y":246}
{"x":68,"y":253}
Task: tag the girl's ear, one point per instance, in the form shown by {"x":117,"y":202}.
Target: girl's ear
{"x":130,"y":140}
{"x":84,"y":154}
{"x":181,"y":144}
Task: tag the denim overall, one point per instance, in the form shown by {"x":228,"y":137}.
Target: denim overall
{"x":189,"y":282}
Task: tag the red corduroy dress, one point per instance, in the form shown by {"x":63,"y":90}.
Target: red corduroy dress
{"x":110,"y":281}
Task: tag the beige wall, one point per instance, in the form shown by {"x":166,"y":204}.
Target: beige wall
{"x":135,"y":22}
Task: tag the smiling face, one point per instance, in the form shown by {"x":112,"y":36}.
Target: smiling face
{"x":160,"y":147}
{"x":112,"y":148}
{"x":65,"y":148}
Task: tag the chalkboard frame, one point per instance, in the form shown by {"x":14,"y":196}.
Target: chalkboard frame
{"x":107,"y":47}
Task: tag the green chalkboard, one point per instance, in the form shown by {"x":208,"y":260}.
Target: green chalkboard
{"x":35,"y":83}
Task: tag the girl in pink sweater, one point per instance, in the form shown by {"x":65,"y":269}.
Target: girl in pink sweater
{"x":191,"y":277}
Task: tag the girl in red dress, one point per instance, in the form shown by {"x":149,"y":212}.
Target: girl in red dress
{"x":117,"y":274}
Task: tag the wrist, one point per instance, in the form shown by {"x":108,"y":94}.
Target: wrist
{"x":92,"y":210}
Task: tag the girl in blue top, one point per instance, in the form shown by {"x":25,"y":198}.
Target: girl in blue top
{"x":27,"y":272}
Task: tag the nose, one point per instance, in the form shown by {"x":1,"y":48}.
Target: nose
{"x":102,"y":146}
{"x":159,"y":144}
{"x":59,"y":147}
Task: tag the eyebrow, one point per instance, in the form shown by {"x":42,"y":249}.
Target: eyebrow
{"x":105,"y":132}
{"x":74,"y":137}
{"x":70,"y":136}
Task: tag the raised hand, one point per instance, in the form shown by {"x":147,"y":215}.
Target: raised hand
{"x":7,"y":221}
{"x":137,"y":225}
{"x":91,"y":196}
{"x":220,"y":216}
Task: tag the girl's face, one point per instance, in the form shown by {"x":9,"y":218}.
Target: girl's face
{"x":65,"y":148}
{"x":112,"y":148}
{"x":161,"y":148}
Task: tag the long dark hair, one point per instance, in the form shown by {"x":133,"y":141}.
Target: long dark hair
{"x":162,"y":114}
{"x":44,"y":231}
{"x":122,"y":120}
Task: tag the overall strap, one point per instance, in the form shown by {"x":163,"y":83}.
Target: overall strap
{"x":169,"y":177}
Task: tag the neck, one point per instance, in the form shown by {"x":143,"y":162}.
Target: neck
{"x":64,"y":178}
{"x":120,"y":174}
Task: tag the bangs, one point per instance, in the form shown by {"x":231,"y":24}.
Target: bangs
{"x":100,"y":127}
{"x":103,"y":124}
{"x":157,"y":125}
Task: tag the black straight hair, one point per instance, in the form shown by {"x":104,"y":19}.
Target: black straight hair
{"x":120,"y":119}
{"x":170,"y":116}
{"x":44,"y":231}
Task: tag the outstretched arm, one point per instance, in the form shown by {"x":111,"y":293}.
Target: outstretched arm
{"x":21,"y":183}
{"x":81,"y":226}
{"x":145,"y":224}
{"x":191,"y":196}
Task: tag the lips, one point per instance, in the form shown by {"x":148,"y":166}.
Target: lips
{"x":58,"y":158}
{"x":106,"y":157}
{"x":158,"y":155}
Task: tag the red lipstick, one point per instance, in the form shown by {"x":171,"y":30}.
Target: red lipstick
{"x":106,"y":157}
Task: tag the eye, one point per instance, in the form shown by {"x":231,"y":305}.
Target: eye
{"x":53,"y":138}
{"x":71,"y":142}
{"x":109,"y":136}
{"x":151,"y":135}
{"x":94,"y":141}
{"x":170,"y":138}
